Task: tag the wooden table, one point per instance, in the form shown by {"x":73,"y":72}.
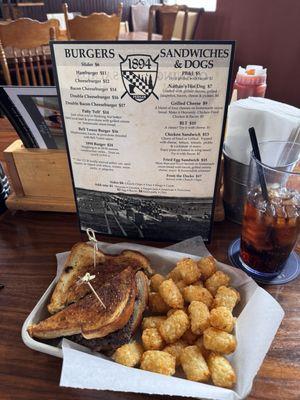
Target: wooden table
{"x":28,"y":243}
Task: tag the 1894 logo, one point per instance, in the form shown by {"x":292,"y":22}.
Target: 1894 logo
{"x":139,"y":75}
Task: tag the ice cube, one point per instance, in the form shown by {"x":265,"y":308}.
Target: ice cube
{"x":296,"y":199}
{"x":291,"y":211}
{"x":285,"y":194}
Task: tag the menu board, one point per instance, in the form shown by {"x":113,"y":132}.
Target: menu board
{"x":144,"y":123}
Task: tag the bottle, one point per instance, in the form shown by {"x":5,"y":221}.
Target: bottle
{"x":251,"y":81}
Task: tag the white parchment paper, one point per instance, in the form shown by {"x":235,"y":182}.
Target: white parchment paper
{"x":259,"y":317}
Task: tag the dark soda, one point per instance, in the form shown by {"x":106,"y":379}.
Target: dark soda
{"x":270,"y":229}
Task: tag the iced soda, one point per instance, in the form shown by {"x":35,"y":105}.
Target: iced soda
{"x":270,"y":229}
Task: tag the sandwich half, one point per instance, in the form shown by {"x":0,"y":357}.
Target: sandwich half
{"x":122,"y":284}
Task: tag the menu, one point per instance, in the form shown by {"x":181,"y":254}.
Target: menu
{"x":144,"y":123}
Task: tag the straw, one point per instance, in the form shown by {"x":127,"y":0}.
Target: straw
{"x":261,"y":176}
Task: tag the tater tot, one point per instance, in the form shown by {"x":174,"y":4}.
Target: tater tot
{"x":170,"y":312}
{"x":155,"y":282}
{"x":175,"y":349}
{"x":129,"y":354}
{"x":157,"y":304}
{"x":194,"y":364}
{"x":199,"y":316}
{"x":188,"y":269}
{"x":158,"y":361}
{"x":174,"y":326}
{"x":200,"y":344}
{"x":227,"y":297}
{"x":219,"y":341}
{"x":153,"y":322}
{"x":189,"y":337}
{"x":197,"y":293}
{"x":222,"y":373}
{"x":152,"y":339}
{"x":215,"y":281}
{"x":181,"y":285}
{"x":175,"y":274}
{"x":207,"y":267}
{"x":171,"y":294}
{"x":222,"y":318}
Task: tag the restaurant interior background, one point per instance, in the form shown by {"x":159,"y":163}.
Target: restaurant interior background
{"x":264,"y":31}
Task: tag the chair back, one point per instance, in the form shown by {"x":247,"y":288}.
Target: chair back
{"x":139,"y":17}
{"x":22,"y":51}
{"x":26,"y":33}
{"x":96,"y":26}
{"x":193,"y":19}
{"x":124,"y":27}
{"x":166,"y":18}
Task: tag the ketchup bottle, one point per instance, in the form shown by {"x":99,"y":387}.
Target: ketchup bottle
{"x":251,"y":81}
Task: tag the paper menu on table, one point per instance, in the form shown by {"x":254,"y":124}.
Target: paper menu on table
{"x":259,"y":317}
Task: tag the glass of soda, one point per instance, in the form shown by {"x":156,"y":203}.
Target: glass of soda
{"x":271,"y":223}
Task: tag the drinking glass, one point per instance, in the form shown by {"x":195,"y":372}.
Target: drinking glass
{"x":271,"y":223}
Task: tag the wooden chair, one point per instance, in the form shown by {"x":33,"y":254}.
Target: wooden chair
{"x":96,"y":26}
{"x":166,"y":16}
{"x":139,"y":17}
{"x":194,"y":16}
{"x":124,"y":27}
{"x":22,"y":51}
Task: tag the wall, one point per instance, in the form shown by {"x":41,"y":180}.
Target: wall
{"x":267,"y":33}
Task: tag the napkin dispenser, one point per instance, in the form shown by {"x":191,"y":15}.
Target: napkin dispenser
{"x":235,"y":187}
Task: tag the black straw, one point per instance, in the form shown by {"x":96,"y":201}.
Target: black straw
{"x":261,"y":176}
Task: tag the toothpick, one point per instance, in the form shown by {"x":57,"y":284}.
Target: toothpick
{"x":92,"y":238}
{"x":87,"y":278}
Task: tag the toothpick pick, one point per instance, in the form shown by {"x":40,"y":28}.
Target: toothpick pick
{"x":92,"y":237}
{"x":87,"y":278}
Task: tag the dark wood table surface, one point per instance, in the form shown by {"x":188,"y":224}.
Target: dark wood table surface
{"x":28,"y":244}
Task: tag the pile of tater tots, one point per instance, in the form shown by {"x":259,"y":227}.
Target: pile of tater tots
{"x":190,"y":325}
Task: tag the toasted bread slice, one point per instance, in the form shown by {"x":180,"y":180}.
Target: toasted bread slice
{"x":88,"y":316}
{"x":123,"y":335}
{"x":104,"y":271}
{"x":80,"y":260}
{"x":138,"y":257}
{"x":142,"y":285}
